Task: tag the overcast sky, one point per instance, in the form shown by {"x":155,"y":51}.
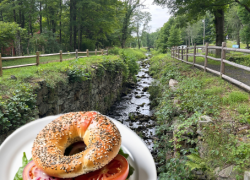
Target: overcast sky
{"x":159,"y":15}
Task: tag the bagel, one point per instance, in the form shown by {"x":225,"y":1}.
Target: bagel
{"x":101,"y":136}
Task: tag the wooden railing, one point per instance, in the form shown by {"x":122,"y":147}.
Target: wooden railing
{"x":102,"y":52}
{"x":178,"y":53}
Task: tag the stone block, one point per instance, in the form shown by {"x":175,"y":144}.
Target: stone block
{"x":247,"y":175}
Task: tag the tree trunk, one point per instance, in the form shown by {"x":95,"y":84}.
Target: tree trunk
{"x":1,"y":12}
{"x":23,"y":21}
{"x":70,"y":23}
{"x":14,"y":11}
{"x":60,"y":33}
{"x":238,"y":38}
{"x":79,"y":33}
{"x":40,"y":20}
{"x":20,"y":13}
{"x":219,"y":29}
{"x":74,"y":20}
{"x":30,"y":22}
{"x":18,"y":44}
{"x":138,"y":36}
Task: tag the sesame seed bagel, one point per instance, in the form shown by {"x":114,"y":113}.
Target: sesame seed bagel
{"x":101,"y":136}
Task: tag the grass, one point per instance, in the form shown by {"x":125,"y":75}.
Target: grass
{"x":51,"y":72}
{"x":41,"y":59}
{"x":235,"y":97}
{"x":198,"y":94}
{"x":231,"y":43}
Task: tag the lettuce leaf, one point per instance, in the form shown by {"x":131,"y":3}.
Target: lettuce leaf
{"x":19,"y":174}
{"x":131,"y":168}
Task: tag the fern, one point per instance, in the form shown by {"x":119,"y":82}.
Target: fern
{"x":196,"y":162}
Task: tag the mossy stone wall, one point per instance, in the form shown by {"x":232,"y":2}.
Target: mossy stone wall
{"x":98,"y":93}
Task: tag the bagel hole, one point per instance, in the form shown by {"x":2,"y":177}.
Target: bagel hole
{"x":75,"y":148}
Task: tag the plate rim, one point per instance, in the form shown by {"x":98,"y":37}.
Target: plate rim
{"x":51,"y":117}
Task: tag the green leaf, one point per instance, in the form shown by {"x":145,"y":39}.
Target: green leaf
{"x":122,"y":153}
{"x":131,"y":171}
{"x":25,"y":161}
{"x":131,"y":168}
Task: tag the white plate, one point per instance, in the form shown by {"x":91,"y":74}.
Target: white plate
{"x":11,"y":151}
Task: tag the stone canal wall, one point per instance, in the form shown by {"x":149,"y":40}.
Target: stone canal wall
{"x":97,"y":93}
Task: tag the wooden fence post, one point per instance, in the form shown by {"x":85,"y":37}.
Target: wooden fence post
{"x":102,"y":52}
{"x":76,"y":53}
{"x":37,"y":58}
{"x":27,"y":51}
{"x":205,"y":63}
{"x":174,"y":48}
{"x":223,"y":56}
{"x":60,"y":55}
{"x":87,"y":52}
{"x":95,"y":51}
{"x":181,"y":53}
{"x":194,"y":53}
{"x":187,"y":54}
{"x":1,"y":65}
{"x":178,"y":52}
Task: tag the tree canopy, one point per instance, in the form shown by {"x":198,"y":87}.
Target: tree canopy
{"x":53,"y":25}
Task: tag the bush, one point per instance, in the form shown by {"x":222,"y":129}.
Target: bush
{"x":17,"y":110}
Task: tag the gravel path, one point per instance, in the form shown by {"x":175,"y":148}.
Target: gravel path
{"x":233,"y":72}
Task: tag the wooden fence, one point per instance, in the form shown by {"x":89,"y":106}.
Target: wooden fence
{"x":102,"y":52}
{"x":178,"y":53}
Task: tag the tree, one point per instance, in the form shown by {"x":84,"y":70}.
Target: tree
{"x":8,"y":32}
{"x":233,"y":23}
{"x":174,"y":37}
{"x":193,"y":32}
{"x":163,"y":36}
{"x":130,"y":7}
{"x":196,"y":9}
{"x":245,"y":31}
{"x":141,"y":20}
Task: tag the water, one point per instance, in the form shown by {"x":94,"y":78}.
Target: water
{"x":133,"y":109}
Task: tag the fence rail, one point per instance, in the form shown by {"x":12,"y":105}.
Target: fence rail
{"x":46,"y":55}
{"x":178,"y":53}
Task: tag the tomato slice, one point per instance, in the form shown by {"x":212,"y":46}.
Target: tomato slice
{"x":31,"y":172}
{"x":117,"y":169}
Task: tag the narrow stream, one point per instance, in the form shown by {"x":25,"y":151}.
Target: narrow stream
{"x":133,"y":109}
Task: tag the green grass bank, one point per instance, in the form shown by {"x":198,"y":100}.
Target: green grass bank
{"x":202,"y":123}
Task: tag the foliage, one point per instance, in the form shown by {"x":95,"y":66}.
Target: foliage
{"x":103,"y":23}
{"x":18,"y":109}
{"x":45,"y":43}
{"x":8,"y":32}
{"x":141,"y":20}
{"x":179,"y":155}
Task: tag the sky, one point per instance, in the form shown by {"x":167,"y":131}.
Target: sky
{"x":159,"y":15}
